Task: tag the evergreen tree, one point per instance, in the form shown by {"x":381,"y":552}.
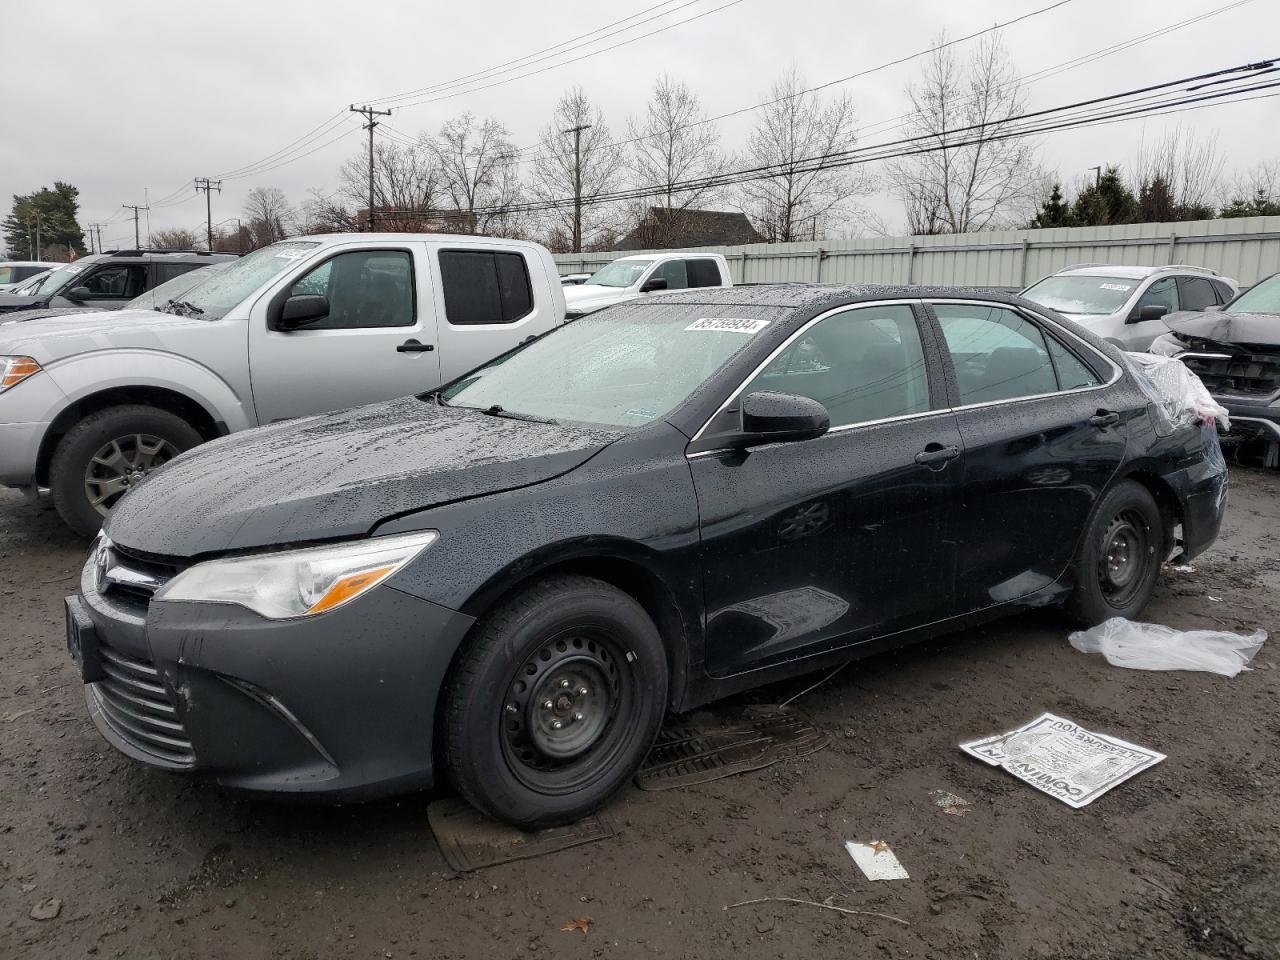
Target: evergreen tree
{"x":1108,"y":201}
{"x":1258,"y":205}
{"x":1054,"y":211}
{"x":54,"y":212}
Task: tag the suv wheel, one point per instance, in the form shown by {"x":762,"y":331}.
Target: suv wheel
{"x":1120,"y":558}
{"x":99,"y":459}
{"x":554,"y":702}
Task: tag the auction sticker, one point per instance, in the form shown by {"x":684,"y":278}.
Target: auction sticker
{"x":728,"y":325}
{"x":1062,"y":759}
{"x":1122,"y":288}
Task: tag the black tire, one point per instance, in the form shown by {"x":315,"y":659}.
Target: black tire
{"x":1120,"y":557}
{"x":74,"y":456}
{"x":499,"y":745}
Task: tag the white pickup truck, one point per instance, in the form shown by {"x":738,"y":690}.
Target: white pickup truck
{"x":89,"y":406}
{"x":642,"y":275}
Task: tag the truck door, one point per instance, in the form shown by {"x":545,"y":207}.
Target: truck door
{"x":377,"y":341}
{"x":486,"y":303}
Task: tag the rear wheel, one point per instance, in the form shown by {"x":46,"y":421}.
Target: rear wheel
{"x":554,"y":702}
{"x":108,"y":453}
{"x":1120,"y":557}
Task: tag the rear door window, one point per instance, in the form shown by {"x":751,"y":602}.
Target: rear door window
{"x":703,"y":273}
{"x":1196,"y":293}
{"x":998,"y":354}
{"x":1223,"y":291}
{"x":482,"y":286}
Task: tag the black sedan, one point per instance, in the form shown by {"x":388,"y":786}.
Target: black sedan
{"x":655,"y":506}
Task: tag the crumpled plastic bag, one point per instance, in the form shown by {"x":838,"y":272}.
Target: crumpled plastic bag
{"x":1179,"y":395}
{"x":1150,"y":646}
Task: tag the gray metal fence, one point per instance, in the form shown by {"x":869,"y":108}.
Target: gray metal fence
{"x":1245,"y":249}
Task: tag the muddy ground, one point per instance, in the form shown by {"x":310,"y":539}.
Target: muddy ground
{"x":1183,"y":861}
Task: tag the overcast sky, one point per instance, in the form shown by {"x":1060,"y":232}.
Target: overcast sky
{"x":134,"y":99}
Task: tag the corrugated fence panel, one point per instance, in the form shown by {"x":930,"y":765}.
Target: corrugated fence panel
{"x":1246,"y":249}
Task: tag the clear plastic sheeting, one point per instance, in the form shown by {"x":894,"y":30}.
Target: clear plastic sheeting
{"x":1180,"y":397}
{"x":1150,"y":646}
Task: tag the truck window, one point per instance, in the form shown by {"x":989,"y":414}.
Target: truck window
{"x":366,"y":288}
{"x":704,"y":273}
{"x":673,"y":271}
{"x":482,"y":286}
{"x":117,"y":281}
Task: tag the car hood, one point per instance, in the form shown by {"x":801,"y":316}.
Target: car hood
{"x":40,"y":313}
{"x":1260,"y":329}
{"x":339,"y":475}
{"x":17,"y":301}
{"x":53,"y":335}
{"x":593,"y":295}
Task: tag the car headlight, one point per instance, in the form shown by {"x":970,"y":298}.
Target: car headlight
{"x":13,"y":370}
{"x":1166,"y":345}
{"x":298,"y":583}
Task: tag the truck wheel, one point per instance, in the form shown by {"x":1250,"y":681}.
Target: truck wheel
{"x":553,"y":703}
{"x":1120,"y":557}
{"x":106,"y":453}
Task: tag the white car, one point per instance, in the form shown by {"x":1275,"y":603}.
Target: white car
{"x":1124,"y":305}
{"x":14,"y":272}
{"x":630,"y":277}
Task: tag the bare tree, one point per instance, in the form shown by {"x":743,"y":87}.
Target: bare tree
{"x":1178,"y":177}
{"x":176,"y":239}
{"x":478,"y":172}
{"x":407,"y":186}
{"x":798,"y":133}
{"x":326,"y":213}
{"x":576,"y":160}
{"x":969,"y":180}
{"x":1254,"y":193}
{"x":268,"y":215}
{"x":674,"y":144}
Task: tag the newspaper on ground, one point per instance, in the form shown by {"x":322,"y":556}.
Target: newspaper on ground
{"x":876,"y":860}
{"x":1061,"y":758}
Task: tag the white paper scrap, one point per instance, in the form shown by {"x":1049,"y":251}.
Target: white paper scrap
{"x":876,"y":860}
{"x":1062,"y":759}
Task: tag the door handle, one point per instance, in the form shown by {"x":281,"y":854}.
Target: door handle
{"x":1104,"y":418}
{"x":413,"y":346}
{"x":937,"y":453}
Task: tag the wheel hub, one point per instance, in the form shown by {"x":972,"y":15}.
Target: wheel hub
{"x":1123,"y":560}
{"x":123,"y":463}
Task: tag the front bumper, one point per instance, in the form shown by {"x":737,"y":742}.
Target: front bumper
{"x":340,"y":705}
{"x":19,"y":451}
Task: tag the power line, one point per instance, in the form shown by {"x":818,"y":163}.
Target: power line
{"x":207,"y":185}
{"x":135,"y":207}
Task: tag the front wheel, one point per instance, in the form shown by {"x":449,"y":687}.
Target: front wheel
{"x":109,"y":452}
{"x":554,"y":702}
{"x":1120,"y":558}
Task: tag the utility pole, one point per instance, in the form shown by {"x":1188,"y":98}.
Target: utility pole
{"x":207,"y":185}
{"x":369,"y":113}
{"x":135,"y":207}
{"x":1097,"y":175}
{"x":577,"y":183}
{"x":38,"y":254}
{"x":97,"y":227}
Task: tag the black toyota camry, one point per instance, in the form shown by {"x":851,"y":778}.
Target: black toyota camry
{"x":513,"y":579}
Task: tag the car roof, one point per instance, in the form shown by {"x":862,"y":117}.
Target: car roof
{"x":1127,"y":272}
{"x":816,"y":295}
{"x":29,"y":263}
{"x":452,"y":239}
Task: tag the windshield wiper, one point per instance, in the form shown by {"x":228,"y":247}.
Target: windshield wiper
{"x":191,"y":308}
{"x":497,"y":411}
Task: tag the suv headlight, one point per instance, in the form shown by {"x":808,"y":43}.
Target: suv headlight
{"x":13,"y":370}
{"x":298,"y":583}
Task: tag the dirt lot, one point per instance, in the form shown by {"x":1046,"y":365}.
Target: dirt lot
{"x":1183,"y":861}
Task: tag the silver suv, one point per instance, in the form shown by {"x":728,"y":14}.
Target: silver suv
{"x":1124,"y":304}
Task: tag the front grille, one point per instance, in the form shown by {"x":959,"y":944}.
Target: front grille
{"x":1243,"y":374}
{"x":134,"y":577}
{"x":136,"y":706}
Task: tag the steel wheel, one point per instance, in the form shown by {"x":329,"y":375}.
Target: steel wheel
{"x":1124,"y":557}
{"x":122,"y":463}
{"x":560,"y":711}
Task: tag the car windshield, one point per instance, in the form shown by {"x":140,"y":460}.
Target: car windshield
{"x":29,"y":286}
{"x":1260,"y":298}
{"x":214,"y":298}
{"x":1079,"y":294}
{"x":59,"y":277}
{"x":157,"y":297}
{"x":621,"y":367}
{"x":620,"y":273}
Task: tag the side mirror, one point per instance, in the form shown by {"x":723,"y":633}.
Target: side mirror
{"x":303,"y":309}
{"x":1214,"y":308}
{"x":1152,"y":311}
{"x":78,"y":294}
{"x":654,"y":283}
{"x":776,"y":417}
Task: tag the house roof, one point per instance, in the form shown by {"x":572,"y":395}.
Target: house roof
{"x":690,"y":228}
